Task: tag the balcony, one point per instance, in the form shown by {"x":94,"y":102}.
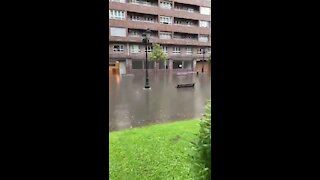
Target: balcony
{"x":193,"y":2}
{"x":144,"y":2}
{"x":155,"y":10}
{"x":186,"y":22}
{"x":147,"y":18}
{"x":189,"y":42}
{"x":165,"y":4}
{"x":186,"y":7}
{"x":158,"y":27}
{"x":185,"y":36}
{"x":137,"y":33}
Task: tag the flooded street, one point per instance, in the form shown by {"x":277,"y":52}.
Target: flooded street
{"x":132,"y":106}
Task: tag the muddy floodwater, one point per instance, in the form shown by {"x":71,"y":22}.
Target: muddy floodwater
{"x":130,"y":105}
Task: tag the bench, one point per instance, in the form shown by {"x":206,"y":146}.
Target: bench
{"x":185,"y":85}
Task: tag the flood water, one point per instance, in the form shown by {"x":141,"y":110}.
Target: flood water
{"x":132,"y":106}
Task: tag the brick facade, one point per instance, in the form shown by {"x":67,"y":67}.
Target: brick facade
{"x":130,"y":58}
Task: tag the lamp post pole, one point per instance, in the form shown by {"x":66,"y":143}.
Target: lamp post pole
{"x":146,"y":36}
{"x":203,"y":51}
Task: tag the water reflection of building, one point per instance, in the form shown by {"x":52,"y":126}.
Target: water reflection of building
{"x":181,"y":27}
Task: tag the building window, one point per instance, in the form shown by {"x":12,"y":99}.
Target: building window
{"x":204,"y":24}
{"x":134,"y":32}
{"x":141,"y":18}
{"x":176,"y":50}
{"x":120,"y":1}
{"x":149,"y":49}
{"x":122,"y":32}
{"x":149,"y":19}
{"x":189,"y":50}
{"x":144,"y":2}
{"x":204,"y":38}
{"x":165,"y":49}
{"x":189,"y":23}
{"x":177,"y":36}
{"x":116,"y":14}
{"x":189,"y":37}
{"x":205,"y":10}
{"x":118,"y":48}
{"x":166,"y":4}
{"x":135,"y":49}
{"x":207,"y":51}
{"x":199,"y":51}
{"x":165,"y":35}
{"x":190,"y":10}
{"x":165,"y":20}
{"x":135,"y":18}
{"x":177,"y":21}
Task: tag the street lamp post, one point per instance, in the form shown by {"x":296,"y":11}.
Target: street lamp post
{"x":203,"y":51}
{"x":146,"y":36}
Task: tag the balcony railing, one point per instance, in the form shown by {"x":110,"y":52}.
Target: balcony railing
{"x":144,"y":3}
{"x":142,"y":20}
{"x":186,"y":10}
{"x":189,"y":25}
{"x":140,"y":36}
{"x":185,"y":38}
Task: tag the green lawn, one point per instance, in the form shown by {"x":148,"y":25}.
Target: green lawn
{"x":153,"y":152}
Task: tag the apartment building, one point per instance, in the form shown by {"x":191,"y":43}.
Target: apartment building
{"x":181,"y":27}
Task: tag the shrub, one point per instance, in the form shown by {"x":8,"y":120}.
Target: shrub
{"x":201,"y":148}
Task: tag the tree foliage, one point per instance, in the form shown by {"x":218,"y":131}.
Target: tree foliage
{"x":201,"y":148}
{"x":157,"y":54}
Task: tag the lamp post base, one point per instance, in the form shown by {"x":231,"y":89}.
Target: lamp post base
{"x":147,"y":88}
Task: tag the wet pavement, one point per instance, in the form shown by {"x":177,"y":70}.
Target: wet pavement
{"x":132,"y":106}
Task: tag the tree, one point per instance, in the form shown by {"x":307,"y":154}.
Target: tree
{"x":158,"y":54}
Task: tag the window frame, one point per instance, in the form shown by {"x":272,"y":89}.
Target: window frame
{"x":162,"y":18}
{"x":135,"y":52}
{"x":175,"y":51}
{"x":166,"y":4}
{"x":187,"y":50}
{"x":165,"y":33}
{"x":204,"y":10}
{"x":125,"y":31}
{"x":147,"y":19}
{"x":202,"y":22}
{"x":199,"y":51}
{"x":204,"y":38}
{"x":117,"y":14}
{"x":165,"y":49}
{"x":134,"y":33}
{"x":149,"y":49}
{"x":121,"y":50}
